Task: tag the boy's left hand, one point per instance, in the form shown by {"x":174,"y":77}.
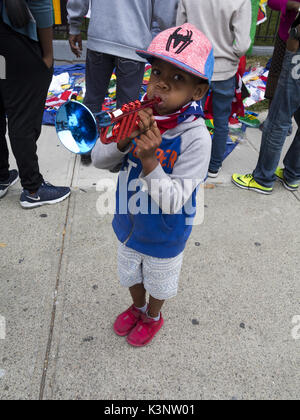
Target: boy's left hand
{"x":148,"y":142}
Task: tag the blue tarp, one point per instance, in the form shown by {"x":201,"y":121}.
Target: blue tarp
{"x":75,"y":71}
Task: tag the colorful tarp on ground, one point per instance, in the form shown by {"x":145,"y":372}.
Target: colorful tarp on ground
{"x":69,"y":83}
{"x":262,"y":12}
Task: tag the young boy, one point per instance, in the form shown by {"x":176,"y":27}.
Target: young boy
{"x":161,"y":171}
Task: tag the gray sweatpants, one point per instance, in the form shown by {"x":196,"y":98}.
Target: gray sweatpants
{"x":99,"y":69}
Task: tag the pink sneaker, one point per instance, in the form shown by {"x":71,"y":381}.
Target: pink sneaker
{"x":126,"y":321}
{"x":144,"y":331}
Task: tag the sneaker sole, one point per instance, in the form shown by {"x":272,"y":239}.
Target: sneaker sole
{"x":27,"y":205}
{"x":252,"y":189}
{"x":211,"y":175}
{"x":123,"y":334}
{"x":286,"y":186}
{"x":4,"y":192}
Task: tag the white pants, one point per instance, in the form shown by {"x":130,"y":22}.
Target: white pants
{"x":160,"y":276}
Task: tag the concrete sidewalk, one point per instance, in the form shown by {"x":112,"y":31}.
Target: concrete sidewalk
{"x":228,"y":334}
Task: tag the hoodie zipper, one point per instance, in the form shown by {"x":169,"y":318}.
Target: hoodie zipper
{"x":130,"y":234}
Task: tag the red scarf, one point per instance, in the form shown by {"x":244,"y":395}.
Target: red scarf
{"x":188,"y":113}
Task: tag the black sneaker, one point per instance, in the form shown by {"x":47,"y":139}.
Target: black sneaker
{"x":4,"y":186}
{"x":213,"y":174}
{"x":46,"y":194}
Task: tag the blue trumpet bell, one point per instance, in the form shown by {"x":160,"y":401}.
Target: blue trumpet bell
{"x":76,"y":127}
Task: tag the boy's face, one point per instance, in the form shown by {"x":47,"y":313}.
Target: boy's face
{"x":174,"y":87}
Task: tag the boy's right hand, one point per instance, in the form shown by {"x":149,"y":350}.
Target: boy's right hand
{"x":146,"y":120}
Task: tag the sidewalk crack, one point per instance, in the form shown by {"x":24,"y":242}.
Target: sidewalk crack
{"x":53,"y":315}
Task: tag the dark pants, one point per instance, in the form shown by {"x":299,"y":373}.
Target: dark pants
{"x":22,"y":98}
{"x":99,"y":69}
{"x":284,"y":106}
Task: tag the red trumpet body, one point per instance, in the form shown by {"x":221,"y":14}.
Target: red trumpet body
{"x":120,"y":124}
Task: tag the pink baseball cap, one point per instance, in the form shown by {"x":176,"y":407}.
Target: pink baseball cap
{"x":184,"y":47}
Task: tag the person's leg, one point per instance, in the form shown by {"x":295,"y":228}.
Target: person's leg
{"x":155,"y":306}
{"x":99,"y":68}
{"x":24,"y":94}
{"x":130,"y":76}
{"x":130,"y":275}
{"x":161,"y":277}
{"x":4,"y":164}
{"x":138,"y":294}
{"x":292,"y":158}
{"x":7,"y":177}
{"x":223,"y":94}
{"x":284,"y":105}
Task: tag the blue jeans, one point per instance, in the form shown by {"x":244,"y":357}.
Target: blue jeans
{"x":284,"y":106}
{"x":223,"y":95}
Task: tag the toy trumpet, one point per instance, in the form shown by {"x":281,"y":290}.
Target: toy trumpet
{"x":78,"y":128}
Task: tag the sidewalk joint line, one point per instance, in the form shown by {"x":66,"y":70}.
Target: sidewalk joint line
{"x":53,"y":315}
{"x":297,"y":196}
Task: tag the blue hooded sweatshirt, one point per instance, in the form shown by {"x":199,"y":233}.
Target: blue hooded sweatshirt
{"x":155,"y":213}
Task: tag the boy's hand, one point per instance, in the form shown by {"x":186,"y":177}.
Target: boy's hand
{"x":148,"y":142}
{"x":146,"y":123}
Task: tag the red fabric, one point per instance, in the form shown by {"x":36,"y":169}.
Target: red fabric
{"x":191,"y":111}
{"x":167,"y":122}
{"x":238,"y":109}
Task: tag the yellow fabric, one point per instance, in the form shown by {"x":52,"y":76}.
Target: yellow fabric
{"x":57,"y":12}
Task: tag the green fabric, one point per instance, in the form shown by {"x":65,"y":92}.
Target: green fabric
{"x":255,"y":8}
